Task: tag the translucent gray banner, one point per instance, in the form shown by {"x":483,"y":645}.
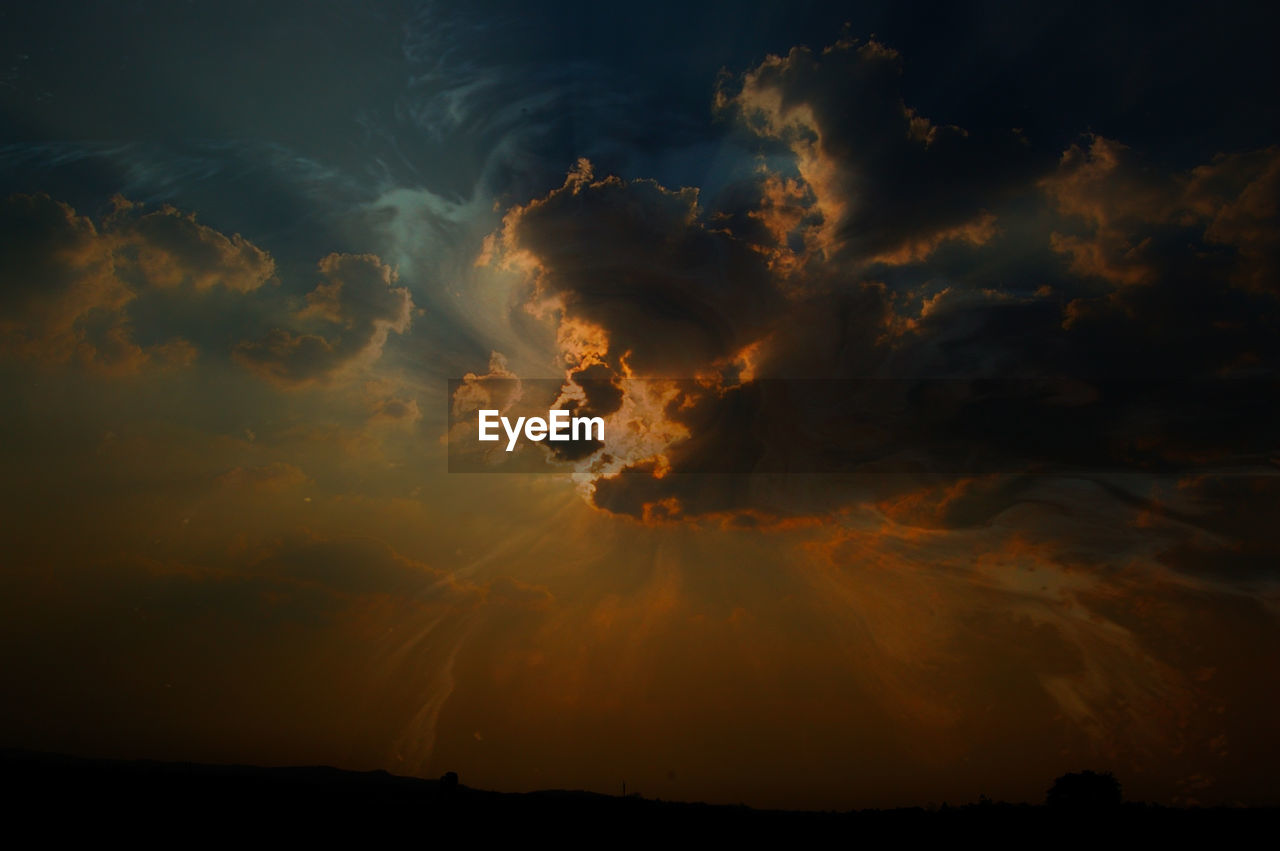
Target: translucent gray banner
{"x":863,"y":425}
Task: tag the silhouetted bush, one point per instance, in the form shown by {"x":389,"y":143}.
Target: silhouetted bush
{"x":1084,"y":790}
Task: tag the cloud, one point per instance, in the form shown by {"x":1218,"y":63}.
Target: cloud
{"x":947,"y":398}
{"x":394,"y":409}
{"x":497,"y":388}
{"x":59,"y":274}
{"x":70,"y":283}
{"x":354,"y":309}
{"x":1137,"y":220}
{"x":632,"y":265}
{"x":888,"y":186}
{"x":168,"y":248}
{"x":1237,"y":194}
{"x":73,"y":287}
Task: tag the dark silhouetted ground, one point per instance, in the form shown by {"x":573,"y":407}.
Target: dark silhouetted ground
{"x":182,"y":803}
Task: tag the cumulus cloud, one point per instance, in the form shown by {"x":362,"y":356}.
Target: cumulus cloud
{"x":394,"y":409}
{"x":167,"y":248}
{"x":1132,"y":220}
{"x":945,"y":399}
{"x":631,"y":266}
{"x":887,"y":184}
{"x":67,"y":291}
{"x":1237,"y":195}
{"x":352,"y":312}
{"x":69,"y":283}
{"x":1176,"y":270}
{"x":974,"y":384}
{"x":497,"y":388}
{"x":72,"y":286}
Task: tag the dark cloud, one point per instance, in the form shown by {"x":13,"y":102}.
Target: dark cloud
{"x":71,"y":287}
{"x":601,"y":396}
{"x":635,"y":260}
{"x":168,"y":248}
{"x":944,"y":402}
{"x":888,"y":184}
{"x":1181,"y":265}
{"x":395,"y":409}
{"x":1131,"y":224}
{"x":69,"y":283}
{"x":497,"y":388}
{"x":355,"y":308}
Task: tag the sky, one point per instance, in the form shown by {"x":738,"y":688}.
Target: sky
{"x":936,"y":348}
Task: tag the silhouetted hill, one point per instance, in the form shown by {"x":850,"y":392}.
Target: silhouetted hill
{"x":177,"y":802}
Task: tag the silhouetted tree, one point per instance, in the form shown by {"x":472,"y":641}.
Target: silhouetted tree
{"x":1084,"y":790}
{"x":449,"y":781}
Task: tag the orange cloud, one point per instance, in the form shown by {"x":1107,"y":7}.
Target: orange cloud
{"x":71,"y":283}
{"x":356,"y":307}
{"x":168,"y":248}
{"x":1127,"y":208}
{"x":878,"y":183}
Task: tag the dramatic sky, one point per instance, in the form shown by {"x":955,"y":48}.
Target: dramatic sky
{"x":937,"y":349}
